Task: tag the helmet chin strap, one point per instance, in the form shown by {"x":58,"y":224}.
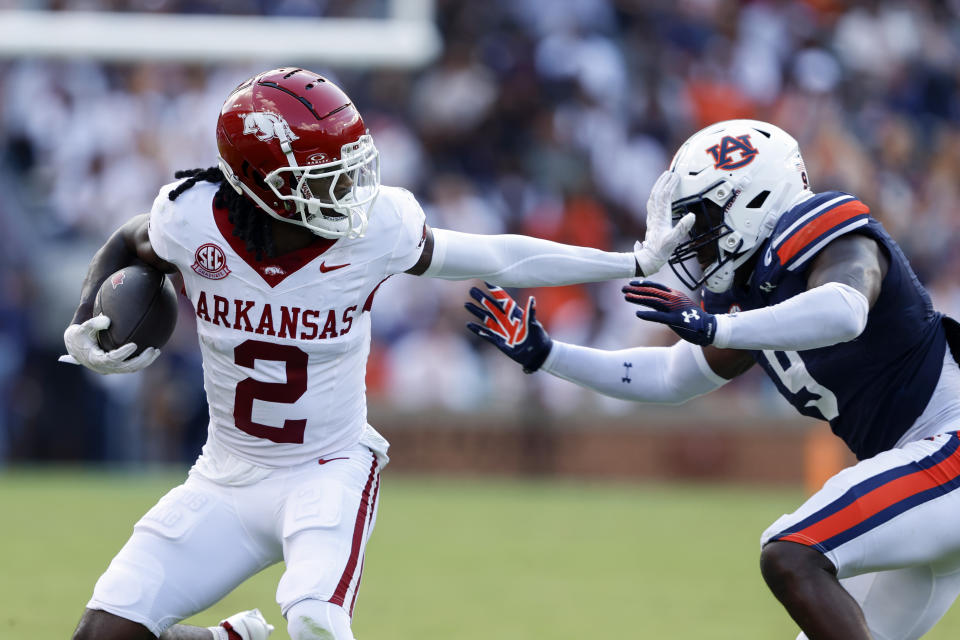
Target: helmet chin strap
{"x":721,"y":279}
{"x":352,"y":225}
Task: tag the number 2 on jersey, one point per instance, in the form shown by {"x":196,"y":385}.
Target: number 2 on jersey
{"x":246,"y":354}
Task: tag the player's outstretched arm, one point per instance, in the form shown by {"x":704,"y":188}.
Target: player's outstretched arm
{"x":819,"y":317}
{"x":127,"y":245}
{"x":843,"y":284}
{"x":668,"y":375}
{"x":517,"y":261}
{"x":522,"y":261}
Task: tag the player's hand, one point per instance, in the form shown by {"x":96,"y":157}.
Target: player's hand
{"x":674,"y":309}
{"x":513,"y":330}
{"x":82,"y":347}
{"x":246,"y":625}
{"x":662,"y":236}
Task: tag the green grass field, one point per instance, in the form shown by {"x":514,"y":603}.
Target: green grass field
{"x":451,"y":559}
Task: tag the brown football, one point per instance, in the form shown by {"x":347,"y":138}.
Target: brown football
{"x":142,"y":307}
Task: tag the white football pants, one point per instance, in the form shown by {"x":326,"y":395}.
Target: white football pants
{"x":203,"y":539}
{"x":891,"y":526}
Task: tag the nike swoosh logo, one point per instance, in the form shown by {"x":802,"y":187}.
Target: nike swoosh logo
{"x":326,"y":460}
{"x":325,"y":269}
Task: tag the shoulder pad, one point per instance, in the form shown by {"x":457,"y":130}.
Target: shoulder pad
{"x":202,"y":190}
{"x":163,"y":197}
{"x":808,"y":227}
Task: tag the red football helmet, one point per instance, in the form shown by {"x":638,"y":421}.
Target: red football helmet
{"x":292,"y":141}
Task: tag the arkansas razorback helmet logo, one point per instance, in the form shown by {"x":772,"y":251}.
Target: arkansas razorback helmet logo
{"x":733,"y":152}
{"x":267,"y":126}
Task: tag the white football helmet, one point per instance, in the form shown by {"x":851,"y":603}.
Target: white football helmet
{"x":738,"y":177}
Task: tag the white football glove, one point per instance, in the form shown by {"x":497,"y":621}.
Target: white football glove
{"x":82,"y":347}
{"x":249,"y":625}
{"x":662,"y":237}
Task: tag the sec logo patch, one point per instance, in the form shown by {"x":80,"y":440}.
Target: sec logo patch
{"x":211,"y":262}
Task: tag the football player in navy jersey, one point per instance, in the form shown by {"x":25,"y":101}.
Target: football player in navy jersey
{"x":812,"y":288}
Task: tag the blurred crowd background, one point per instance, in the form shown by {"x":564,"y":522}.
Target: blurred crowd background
{"x":550,"y":118}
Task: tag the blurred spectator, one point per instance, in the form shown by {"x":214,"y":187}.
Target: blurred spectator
{"x":547,"y":117}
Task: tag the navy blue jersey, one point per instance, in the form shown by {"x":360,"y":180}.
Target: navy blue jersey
{"x":870,"y":389}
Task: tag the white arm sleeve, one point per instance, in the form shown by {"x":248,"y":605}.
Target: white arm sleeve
{"x":664,"y":375}
{"x":822,"y":316}
{"x":522,"y":261}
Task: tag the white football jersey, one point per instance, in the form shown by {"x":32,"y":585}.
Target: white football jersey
{"x":284,"y":340}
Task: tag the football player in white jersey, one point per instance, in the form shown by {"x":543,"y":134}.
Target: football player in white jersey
{"x":282,"y":247}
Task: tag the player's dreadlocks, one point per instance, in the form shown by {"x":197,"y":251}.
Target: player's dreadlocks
{"x":249,"y":223}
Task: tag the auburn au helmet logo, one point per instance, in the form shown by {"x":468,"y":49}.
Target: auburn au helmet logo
{"x":733,"y":152}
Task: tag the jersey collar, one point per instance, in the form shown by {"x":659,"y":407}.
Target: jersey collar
{"x":272,"y":270}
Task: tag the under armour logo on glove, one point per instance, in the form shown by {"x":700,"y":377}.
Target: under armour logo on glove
{"x":513,"y":330}
{"x":674,"y":309}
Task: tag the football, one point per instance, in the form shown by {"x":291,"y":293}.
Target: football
{"x":142,"y":307}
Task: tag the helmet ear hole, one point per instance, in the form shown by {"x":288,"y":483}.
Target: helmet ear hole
{"x":758,"y":200}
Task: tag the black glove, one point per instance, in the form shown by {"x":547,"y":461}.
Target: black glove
{"x":514,"y":331}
